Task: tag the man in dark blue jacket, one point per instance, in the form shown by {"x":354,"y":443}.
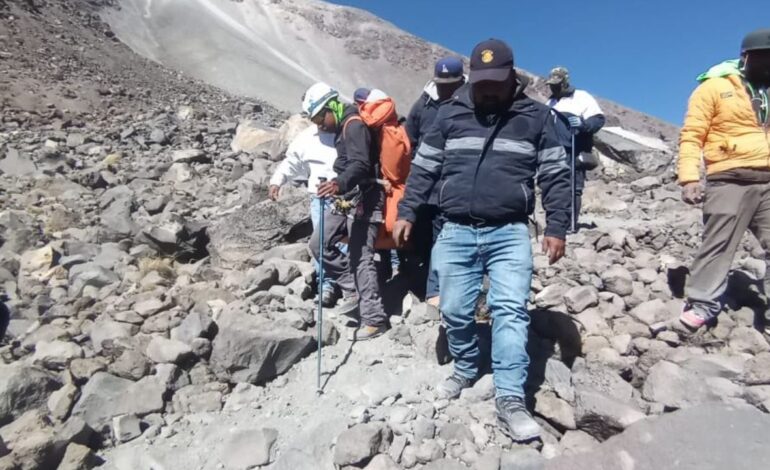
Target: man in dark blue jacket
{"x":485,"y":150}
{"x":448,"y":77}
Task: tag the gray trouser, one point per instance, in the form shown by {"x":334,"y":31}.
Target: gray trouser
{"x":361,"y":274}
{"x":729,"y":209}
{"x":335,"y":262}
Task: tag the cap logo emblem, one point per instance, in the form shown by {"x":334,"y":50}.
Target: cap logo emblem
{"x":444,"y":69}
{"x":487,"y":56}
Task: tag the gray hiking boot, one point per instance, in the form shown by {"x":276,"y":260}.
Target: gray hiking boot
{"x":452,"y":387}
{"x":348,"y":305}
{"x":366,"y":333}
{"x":514,"y":419}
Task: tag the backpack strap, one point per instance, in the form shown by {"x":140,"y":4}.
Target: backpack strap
{"x":351,"y":118}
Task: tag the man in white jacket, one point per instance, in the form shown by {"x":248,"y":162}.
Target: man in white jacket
{"x":583,"y":118}
{"x":311,"y":156}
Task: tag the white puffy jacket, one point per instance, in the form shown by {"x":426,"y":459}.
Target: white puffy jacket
{"x":310,"y":156}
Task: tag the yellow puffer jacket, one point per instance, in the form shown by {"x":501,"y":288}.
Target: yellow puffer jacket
{"x":722,"y":126}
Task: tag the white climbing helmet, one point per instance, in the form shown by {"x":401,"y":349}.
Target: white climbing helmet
{"x":316,"y":97}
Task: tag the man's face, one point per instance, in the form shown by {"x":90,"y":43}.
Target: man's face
{"x":491,"y":97}
{"x":556,"y":88}
{"x":758,"y":66}
{"x":325,"y":121}
{"x":446,"y":90}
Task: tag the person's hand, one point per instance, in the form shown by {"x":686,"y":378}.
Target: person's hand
{"x":575,"y":122}
{"x":554,"y":248}
{"x":329,"y":188}
{"x":387,"y":186}
{"x":273,"y":191}
{"x":402,"y":231}
{"x":692,"y":193}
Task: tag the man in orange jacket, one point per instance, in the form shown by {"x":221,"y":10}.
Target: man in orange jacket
{"x":727,"y":125}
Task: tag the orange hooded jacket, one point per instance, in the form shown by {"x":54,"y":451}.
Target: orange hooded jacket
{"x":395,"y":160}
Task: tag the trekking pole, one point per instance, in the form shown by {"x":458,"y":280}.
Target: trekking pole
{"x":320,"y":286}
{"x":573,"y":188}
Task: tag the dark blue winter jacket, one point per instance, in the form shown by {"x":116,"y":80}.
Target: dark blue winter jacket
{"x":421,"y":118}
{"x":485,"y":165}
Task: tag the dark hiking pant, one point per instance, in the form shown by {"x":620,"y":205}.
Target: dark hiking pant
{"x":360,"y":273}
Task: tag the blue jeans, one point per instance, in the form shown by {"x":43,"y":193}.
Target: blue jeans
{"x":315,"y":212}
{"x":432,"y":287}
{"x":463,"y":254}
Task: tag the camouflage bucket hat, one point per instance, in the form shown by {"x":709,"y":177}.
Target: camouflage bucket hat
{"x":558,"y":75}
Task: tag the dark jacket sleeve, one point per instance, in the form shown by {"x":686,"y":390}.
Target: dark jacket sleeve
{"x":359,"y":168}
{"x":593,"y":124}
{"x":425,"y":171}
{"x":413,"y":122}
{"x":554,"y":177}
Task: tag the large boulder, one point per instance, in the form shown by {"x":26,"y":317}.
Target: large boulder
{"x":163,"y":350}
{"x":361,"y":442}
{"x":18,"y":230}
{"x":56,"y":355}
{"x":106,"y":396}
{"x":17,"y":164}
{"x":254,"y":349}
{"x":644,"y":155}
{"x":23,"y":388}
{"x":675,"y":387}
{"x":286,"y":134}
{"x":78,"y":457}
{"x":184,"y":241}
{"x":618,"y":281}
{"x":602,"y":416}
{"x":707,"y":437}
{"x":32,"y":441}
{"x":248,"y":448}
{"x":238,"y":239}
{"x":253,"y":137}
{"x":116,"y":206}
{"x":89,"y":274}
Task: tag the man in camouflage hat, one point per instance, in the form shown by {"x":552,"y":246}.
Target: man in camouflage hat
{"x":583,"y":116}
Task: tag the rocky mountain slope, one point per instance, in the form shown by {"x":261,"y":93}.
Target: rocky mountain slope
{"x":162,"y":312}
{"x":274,"y":49}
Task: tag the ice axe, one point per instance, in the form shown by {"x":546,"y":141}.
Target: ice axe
{"x":320,"y":323}
{"x":573,"y":186}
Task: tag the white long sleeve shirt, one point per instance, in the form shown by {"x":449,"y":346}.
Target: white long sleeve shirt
{"x":579,"y":103}
{"x":310,"y":156}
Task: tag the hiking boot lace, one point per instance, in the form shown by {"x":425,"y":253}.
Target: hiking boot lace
{"x":460,"y":381}
{"x":512,"y":404}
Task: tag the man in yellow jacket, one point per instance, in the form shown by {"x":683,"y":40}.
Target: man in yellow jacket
{"x":727,"y":128}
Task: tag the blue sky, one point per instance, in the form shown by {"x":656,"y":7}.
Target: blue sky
{"x":642,"y":54}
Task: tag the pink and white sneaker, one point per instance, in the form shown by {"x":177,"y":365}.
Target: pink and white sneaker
{"x":691,"y":320}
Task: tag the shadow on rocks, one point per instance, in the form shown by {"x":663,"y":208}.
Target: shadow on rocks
{"x":5,"y":316}
{"x":549,"y":328}
{"x":559,"y":328}
{"x":677,"y":278}
{"x":339,"y":366}
{"x":745,"y":291}
{"x":393,"y":292}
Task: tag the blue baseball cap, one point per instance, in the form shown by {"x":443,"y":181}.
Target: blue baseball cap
{"x":361,"y":94}
{"x":448,"y":70}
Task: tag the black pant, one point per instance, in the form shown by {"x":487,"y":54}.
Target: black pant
{"x":580,"y":182}
{"x":5,"y":317}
